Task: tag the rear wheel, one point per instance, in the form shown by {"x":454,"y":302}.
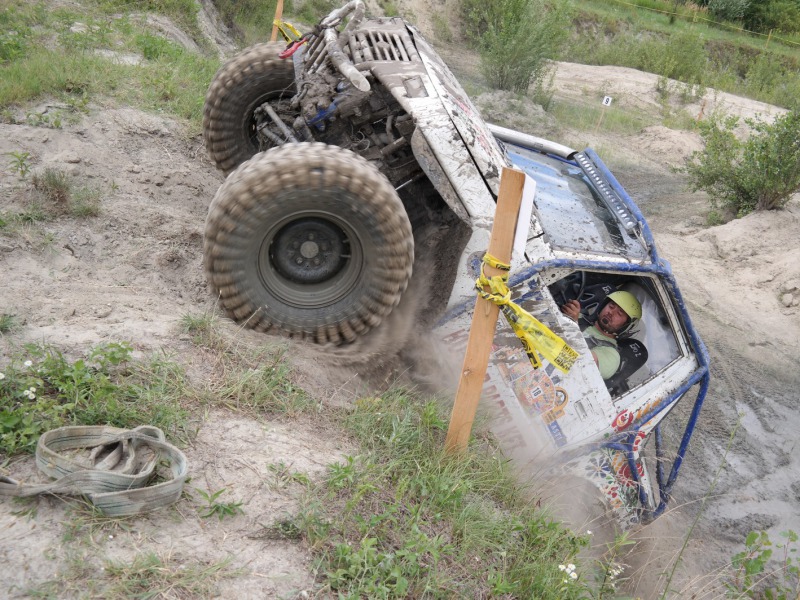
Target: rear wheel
{"x":308,"y":239}
{"x":241,"y":85}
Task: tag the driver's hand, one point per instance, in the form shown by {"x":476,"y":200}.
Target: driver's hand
{"x":572,"y":309}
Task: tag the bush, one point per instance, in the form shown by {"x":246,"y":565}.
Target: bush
{"x":759,"y":173}
{"x":766,"y":569}
{"x":728,"y":10}
{"x":515,"y":38}
{"x":768,"y":15}
{"x":681,"y":56}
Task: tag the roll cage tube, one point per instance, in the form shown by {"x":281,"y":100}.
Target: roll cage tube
{"x":624,"y":441}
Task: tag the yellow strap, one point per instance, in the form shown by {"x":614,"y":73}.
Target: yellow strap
{"x":535,"y":336}
{"x":286,"y":29}
{"x":490,"y":260}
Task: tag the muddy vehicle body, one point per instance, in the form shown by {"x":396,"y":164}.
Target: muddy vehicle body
{"x":353,"y":151}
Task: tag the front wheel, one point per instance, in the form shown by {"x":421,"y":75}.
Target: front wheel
{"x":310,"y":240}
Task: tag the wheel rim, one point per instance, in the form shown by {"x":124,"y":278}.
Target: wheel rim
{"x":310,"y":259}
{"x":250,"y":123}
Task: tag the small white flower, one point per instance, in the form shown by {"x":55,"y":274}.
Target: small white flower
{"x":574,"y":575}
{"x":571,"y":567}
{"x":31,"y":389}
{"x":562,"y":568}
{"x":588,"y":532}
{"x":111,"y":537}
{"x":29,"y":394}
{"x":28,"y":363}
{"x":2,"y":376}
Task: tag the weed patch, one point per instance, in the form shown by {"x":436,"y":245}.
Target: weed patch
{"x":403,"y":519}
{"x":215,"y":507}
{"x":7,"y":323}
{"x":266,"y":387}
{"x":41,"y":390}
{"x":50,"y":193}
{"x":766,"y":569}
{"x":54,"y":187}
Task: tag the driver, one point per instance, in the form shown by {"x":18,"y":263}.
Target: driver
{"x":616,"y":316}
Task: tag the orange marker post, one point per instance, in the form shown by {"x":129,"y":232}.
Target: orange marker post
{"x":484,"y":319}
{"x":278,"y":15}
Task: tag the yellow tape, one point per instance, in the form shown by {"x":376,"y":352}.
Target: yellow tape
{"x":535,"y":336}
{"x":286,"y":29}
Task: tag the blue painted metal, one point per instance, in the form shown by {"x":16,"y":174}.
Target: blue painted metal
{"x":663,"y":269}
{"x":629,"y":203}
{"x":624,"y":441}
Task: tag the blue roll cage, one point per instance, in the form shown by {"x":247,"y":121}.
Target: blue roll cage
{"x":624,"y":441}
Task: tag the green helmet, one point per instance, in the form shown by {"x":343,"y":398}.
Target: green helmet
{"x":628,"y":303}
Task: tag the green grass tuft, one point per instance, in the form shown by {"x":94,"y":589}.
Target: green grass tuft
{"x":147,"y":575}
{"x":41,"y":389}
{"x":7,"y":323}
{"x":404,"y":519}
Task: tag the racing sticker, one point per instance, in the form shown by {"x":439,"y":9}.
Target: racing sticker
{"x":624,"y":419}
{"x":621,"y":496}
{"x":535,"y":389}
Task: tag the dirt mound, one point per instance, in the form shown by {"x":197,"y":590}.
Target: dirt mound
{"x":668,"y":146}
{"x":513,"y":111}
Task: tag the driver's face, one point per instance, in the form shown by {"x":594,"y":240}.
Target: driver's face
{"x":612,"y":318}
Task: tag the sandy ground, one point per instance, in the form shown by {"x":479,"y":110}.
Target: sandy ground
{"x":131,"y":273}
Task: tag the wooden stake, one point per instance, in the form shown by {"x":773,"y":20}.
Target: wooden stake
{"x":484,"y":319}
{"x":278,"y":15}
{"x":600,"y":120}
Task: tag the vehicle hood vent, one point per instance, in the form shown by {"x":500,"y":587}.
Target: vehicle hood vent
{"x":381,"y":45}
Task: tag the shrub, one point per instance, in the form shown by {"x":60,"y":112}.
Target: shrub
{"x":515,"y":38}
{"x":681,"y":56}
{"x":728,"y":10}
{"x":758,"y":173}
{"x":764,"y":74}
{"x":766,"y":15}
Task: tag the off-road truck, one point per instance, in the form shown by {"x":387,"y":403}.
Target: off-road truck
{"x":354,"y":148}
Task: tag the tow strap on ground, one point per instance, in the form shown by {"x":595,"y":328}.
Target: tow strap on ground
{"x":114,"y":475}
{"x":535,"y":336}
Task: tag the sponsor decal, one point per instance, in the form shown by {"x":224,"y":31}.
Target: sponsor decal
{"x":535,"y":389}
{"x":558,"y":435}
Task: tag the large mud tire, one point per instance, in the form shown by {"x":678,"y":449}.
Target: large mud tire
{"x":240,"y":86}
{"x":310,"y":240}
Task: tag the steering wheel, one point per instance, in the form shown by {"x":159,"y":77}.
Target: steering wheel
{"x":569,"y":288}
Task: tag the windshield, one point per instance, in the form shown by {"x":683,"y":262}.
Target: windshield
{"x":572,"y":214}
